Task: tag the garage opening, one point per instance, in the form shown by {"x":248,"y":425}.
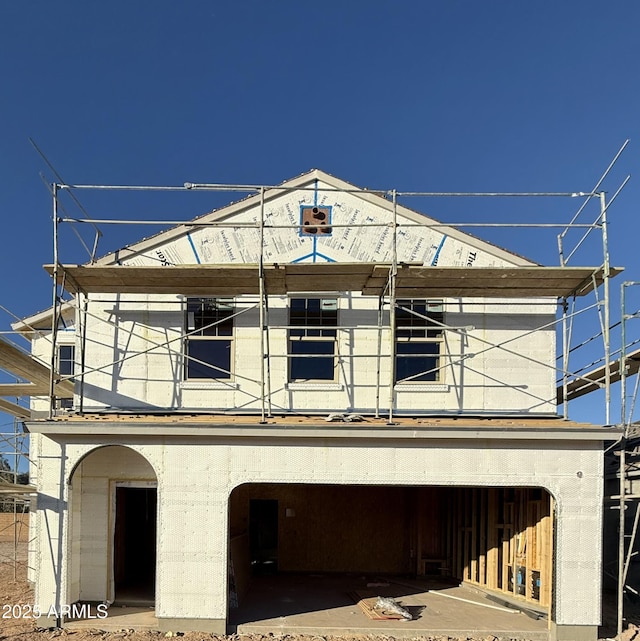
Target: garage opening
{"x":496,"y":539}
{"x":135,"y":545}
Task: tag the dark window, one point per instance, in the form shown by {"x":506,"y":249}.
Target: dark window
{"x":66,"y":367}
{"x":312,"y":347}
{"x":418,"y":336}
{"x":209,"y":324}
{"x":66,"y":360}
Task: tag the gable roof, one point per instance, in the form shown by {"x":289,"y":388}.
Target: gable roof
{"x":237,"y":215}
{"x":31,"y":325}
{"x":328,"y":185}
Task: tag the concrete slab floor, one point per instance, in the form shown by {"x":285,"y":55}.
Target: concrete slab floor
{"x":322,"y":605}
{"x":118,"y":618}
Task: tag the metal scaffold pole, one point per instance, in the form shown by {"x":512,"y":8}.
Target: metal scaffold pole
{"x":393,"y":273}
{"x":379,"y":353}
{"x":565,"y":359}
{"x":625,"y":542}
{"x":54,"y":315}
{"x":263,"y":353}
{"x":621,"y":533}
{"x":606,"y":275}
{"x":82,"y":316}
{"x":15,"y":500}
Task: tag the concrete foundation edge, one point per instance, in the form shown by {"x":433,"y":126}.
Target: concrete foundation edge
{"x":217,"y":626}
{"x":48,"y":622}
{"x":390,"y":633}
{"x":573,"y":632}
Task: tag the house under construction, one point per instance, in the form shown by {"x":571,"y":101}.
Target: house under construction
{"x":314,"y":380}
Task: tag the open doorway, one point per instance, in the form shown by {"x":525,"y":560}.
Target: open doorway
{"x":134,"y":557}
{"x":263,"y":536}
{"x":93,"y":511}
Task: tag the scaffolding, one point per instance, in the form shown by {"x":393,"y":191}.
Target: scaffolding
{"x":15,"y":497}
{"x":390,"y":282}
{"x":622,"y":459}
{"x":627,"y":449}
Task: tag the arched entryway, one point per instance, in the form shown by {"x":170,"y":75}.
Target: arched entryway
{"x":112,"y":528}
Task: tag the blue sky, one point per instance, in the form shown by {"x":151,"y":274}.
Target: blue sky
{"x":417,"y":95}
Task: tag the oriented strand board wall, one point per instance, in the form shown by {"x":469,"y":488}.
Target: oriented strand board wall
{"x":430,"y":504}
{"x":335,"y":528}
{"x":7,"y":527}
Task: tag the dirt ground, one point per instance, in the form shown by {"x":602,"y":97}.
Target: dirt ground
{"x":16,"y":592}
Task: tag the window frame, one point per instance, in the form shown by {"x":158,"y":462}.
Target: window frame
{"x":219,"y":329}
{"x":421,"y":330}
{"x":66,"y":403}
{"x":318,"y":333}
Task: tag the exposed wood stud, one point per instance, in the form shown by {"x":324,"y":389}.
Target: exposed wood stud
{"x":501,"y":539}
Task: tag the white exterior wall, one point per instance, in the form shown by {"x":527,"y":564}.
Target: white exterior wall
{"x":517,"y":377}
{"x":193,"y":503}
{"x":41,"y":349}
{"x":92,"y":487}
{"x":125,"y":330}
{"x":76,"y":541}
{"x":34,"y":513}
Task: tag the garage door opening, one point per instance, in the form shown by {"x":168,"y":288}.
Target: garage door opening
{"x":424,"y":539}
{"x":134,"y":562}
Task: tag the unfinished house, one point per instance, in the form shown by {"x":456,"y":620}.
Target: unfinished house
{"x":314,"y":384}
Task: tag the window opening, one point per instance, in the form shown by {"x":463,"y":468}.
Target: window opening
{"x":209,"y":324}
{"x":313,"y":347}
{"x":419,"y":339}
{"x":66,"y":363}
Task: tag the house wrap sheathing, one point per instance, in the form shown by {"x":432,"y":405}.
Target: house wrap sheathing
{"x":207,"y":360}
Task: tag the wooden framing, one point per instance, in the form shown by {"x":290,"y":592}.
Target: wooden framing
{"x":25,"y":366}
{"x":501,"y":539}
{"x":595,"y":379}
{"x":14,"y":409}
{"x":369,"y":278}
{"x":23,"y":389}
